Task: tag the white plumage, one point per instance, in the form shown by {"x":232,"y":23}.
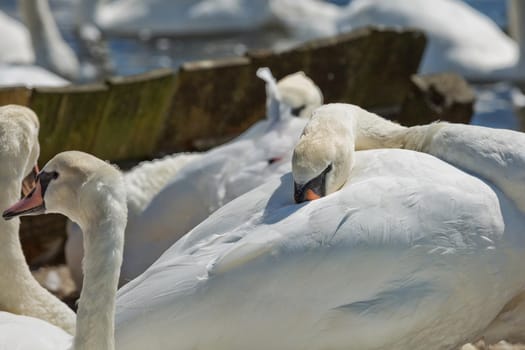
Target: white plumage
{"x":91,"y":192}
{"x":20,"y":293}
{"x":36,"y":55}
{"x":168,"y":197}
{"x":412,"y":253}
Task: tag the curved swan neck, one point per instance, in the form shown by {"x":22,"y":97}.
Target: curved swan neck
{"x":25,"y":295}
{"x":103,"y":246}
{"x":373,"y":131}
{"x":51,"y":51}
{"x":491,"y":154}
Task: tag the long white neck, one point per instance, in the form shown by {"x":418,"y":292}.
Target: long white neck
{"x":51,"y":51}
{"x":25,"y":296}
{"x":103,"y":247}
{"x":495,"y":155}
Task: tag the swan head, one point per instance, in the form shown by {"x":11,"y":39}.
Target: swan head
{"x":300,"y":93}
{"x":75,"y":184}
{"x":19,"y":147}
{"x":324,"y":156}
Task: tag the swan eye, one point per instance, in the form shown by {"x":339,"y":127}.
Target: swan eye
{"x":274,"y":160}
{"x":297,"y":110}
{"x":45,"y":178}
{"x":328,"y":169}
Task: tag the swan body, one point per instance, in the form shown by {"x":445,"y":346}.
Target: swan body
{"x":183,"y":189}
{"x":45,"y":59}
{"x":471,"y":44}
{"x":188,"y":17}
{"x":373,"y":258}
{"x":410,"y":253}
{"x":29,"y":75}
{"x":91,"y":192}
{"x":19,"y":150}
{"x":494,"y":155}
{"x":43,"y":336}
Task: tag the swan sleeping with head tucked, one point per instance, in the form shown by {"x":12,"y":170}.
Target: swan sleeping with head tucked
{"x":168,"y":197}
{"x":401,"y":250}
{"x":92,"y":193}
{"x":20,"y":293}
{"x":495,"y":156}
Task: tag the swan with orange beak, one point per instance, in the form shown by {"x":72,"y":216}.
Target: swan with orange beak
{"x":324,"y":155}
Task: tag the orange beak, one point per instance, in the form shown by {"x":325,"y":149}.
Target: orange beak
{"x":31,"y":204}
{"x":310,"y":195}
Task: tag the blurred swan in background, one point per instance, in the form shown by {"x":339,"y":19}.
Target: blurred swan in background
{"x":461,"y":39}
{"x":21,"y":294}
{"x":188,"y":187}
{"x":91,"y":192}
{"x":181,"y":17}
{"x":54,"y":61}
{"x":400,"y":252}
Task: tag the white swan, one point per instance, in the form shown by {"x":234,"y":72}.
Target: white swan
{"x":92,"y":193}
{"x":15,"y":47}
{"x":183,"y":17}
{"x":399,"y":258}
{"x":21,"y":293}
{"x":54,"y":60}
{"x":300,"y":93}
{"x":470,"y":44}
{"x":493,"y":155}
{"x":460,"y":38}
{"x":198,"y":184}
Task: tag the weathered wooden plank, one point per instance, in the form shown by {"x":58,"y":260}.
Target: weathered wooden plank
{"x":46,"y":104}
{"x":43,"y":238}
{"x":134,"y":115}
{"x":15,"y":95}
{"x":369,"y":67}
{"x":206,"y":103}
{"x":69,"y":117}
{"x":82,"y":108}
{"x":217,"y":99}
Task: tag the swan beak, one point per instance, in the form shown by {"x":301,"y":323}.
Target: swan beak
{"x":308,"y":192}
{"x":31,"y":204}
{"x":29,"y":181}
{"x":313,"y":189}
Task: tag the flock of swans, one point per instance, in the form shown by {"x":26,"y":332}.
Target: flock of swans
{"x":335,"y":230}
{"x":320,"y":227}
{"x":460,"y":38}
